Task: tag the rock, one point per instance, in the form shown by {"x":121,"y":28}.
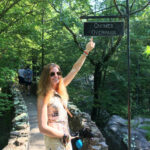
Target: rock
{"x":95,"y":147}
{"x":116,"y":133}
{"x":19,"y":133}
{"x":21,"y":125}
{"x":82,"y":124}
{"x":20,"y":141}
{"x":21,"y":118}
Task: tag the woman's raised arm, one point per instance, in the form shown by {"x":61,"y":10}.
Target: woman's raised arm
{"x":77,"y":66}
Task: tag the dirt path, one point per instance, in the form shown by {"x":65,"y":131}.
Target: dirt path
{"x":36,"y":141}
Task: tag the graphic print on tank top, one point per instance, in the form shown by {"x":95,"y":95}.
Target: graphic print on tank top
{"x":57,"y":115}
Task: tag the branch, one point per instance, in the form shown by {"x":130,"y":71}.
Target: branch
{"x":132,"y":13}
{"x":111,"y":7}
{"x":55,"y":8}
{"x":6,"y":10}
{"x":112,"y":50}
{"x":7,"y":3}
{"x":13,"y":22}
{"x":76,"y":41}
{"x":132,"y":4}
{"x":73,"y":35}
{"x":93,"y":13}
{"x":117,"y":7}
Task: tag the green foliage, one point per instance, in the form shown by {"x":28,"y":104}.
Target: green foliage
{"x":6,"y":103}
{"x":81,"y":96}
{"x":7,"y":75}
{"x":148,"y":136}
{"x":147,"y":127}
{"x":34,"y":32}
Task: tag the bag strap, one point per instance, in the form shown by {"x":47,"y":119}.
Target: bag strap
{"x":69,"y":113}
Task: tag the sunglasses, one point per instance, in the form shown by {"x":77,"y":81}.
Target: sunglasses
{"x":53,"y":73}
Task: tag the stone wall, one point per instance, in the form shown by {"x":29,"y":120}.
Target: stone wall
{"x":91,"y":136}
{"x":19,"y":135}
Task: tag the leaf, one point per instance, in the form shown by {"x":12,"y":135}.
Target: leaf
{"x":147,"y":51}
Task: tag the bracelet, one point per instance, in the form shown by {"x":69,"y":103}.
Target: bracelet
{"x":85,"y":53}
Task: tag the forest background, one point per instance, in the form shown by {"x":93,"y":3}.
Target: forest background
{"x":37,"y":32}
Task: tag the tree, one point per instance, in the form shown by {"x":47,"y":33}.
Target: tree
{"x":102,"y":62}
{"x":40,"y":32}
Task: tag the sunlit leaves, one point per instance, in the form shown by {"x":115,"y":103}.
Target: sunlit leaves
{"x":147,"y":51}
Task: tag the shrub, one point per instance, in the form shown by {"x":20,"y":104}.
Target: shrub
{"x":5,"y":103}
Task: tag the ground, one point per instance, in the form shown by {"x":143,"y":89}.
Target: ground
{"x":36,"y":138}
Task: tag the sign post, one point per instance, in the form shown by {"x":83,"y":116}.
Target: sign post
{"x":113,"y":29}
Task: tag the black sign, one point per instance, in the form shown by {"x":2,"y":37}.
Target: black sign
{"x":103,"y":28}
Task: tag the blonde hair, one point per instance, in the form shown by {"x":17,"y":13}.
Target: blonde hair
{"x":44,"y":85}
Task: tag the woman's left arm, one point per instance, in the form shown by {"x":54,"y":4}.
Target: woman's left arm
{"x":77,"y":66}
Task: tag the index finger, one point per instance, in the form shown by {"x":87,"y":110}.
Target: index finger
{"x":91,"y":40}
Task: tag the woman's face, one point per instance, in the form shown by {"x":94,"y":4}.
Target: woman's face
{"x":55,"y":76}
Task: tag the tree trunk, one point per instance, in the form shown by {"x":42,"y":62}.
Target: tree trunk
{"x":97,"y":82}
{"x":34,"y":64}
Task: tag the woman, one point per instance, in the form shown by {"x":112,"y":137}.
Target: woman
{"x":52,"y":103}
